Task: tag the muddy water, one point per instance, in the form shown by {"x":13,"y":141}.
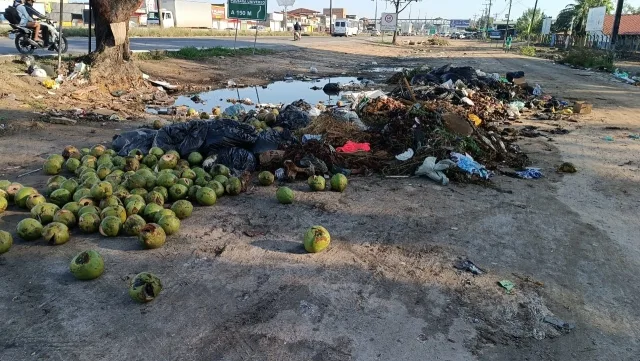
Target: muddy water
{"x":281,"y":92}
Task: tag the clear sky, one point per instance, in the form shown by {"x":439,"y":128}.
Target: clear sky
{"x":451,"y":9}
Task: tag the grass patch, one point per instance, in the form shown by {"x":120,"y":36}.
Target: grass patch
{"x":156,"y":32}
{"x":528,"y":50}
{"x":192,"y":53}
{"x":589,"y":58}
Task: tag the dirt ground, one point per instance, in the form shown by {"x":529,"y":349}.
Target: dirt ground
{"x":238,"y":287}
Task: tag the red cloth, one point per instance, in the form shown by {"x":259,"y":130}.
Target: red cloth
{"x":352,"y":147}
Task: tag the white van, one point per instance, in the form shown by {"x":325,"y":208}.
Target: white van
{"x":345,"y":27}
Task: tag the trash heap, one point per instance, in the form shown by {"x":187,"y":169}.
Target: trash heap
{"x":453,"y":114}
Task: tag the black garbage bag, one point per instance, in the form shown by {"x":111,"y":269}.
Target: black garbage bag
{"x":514,"y":75}
{"x":466,"y":74}
{"x":137,"y":139}
{"x":425,"y":79}
{"x":228,"y":133}
{"x":273,"y":140}
{"x":237,"y":160}
{"x":293,"y":118}
{"x":331,"y":89}
{"x":182,"y":137}
{"x":304,"y":106}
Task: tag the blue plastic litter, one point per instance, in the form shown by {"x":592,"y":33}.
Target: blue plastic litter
{"x":466,"y":163}
{"x":530,"y":173}
{"x":234,"y":110}
{"x":308,"y":137}
{"x":634,"y":136}
{"x":608,"y":138}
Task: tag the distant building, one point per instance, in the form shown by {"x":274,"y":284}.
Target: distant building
{"x":338,"y":13}
{"x":629,"y":25}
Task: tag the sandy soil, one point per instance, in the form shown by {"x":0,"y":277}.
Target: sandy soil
{"x":238,"y":287}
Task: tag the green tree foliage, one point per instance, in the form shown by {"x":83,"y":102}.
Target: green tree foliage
{"x":522,"y":25}
{"x":579,"y":11}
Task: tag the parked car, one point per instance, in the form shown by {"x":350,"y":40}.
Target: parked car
{"x":259,"y":27}
{"x":375,"y":32}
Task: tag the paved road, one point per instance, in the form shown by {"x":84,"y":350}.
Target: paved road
{"x":81,"y":45}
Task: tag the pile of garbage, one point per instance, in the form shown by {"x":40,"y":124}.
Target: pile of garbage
{"x":439,"y":123}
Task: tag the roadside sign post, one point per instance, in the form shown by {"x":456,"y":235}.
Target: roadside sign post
{"x":247,"y":10}
{"x":388,"y":22}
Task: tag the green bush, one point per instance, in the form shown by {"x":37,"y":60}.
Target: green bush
{"x":528,"y":51}
{"x":192,"y":53}
{"x":589,"y":58}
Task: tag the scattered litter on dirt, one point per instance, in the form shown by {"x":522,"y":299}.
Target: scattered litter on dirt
{"x":507,"y":285}
{"x":530,"y":173}
{"x":567,"y":167}
{"x":560,"y":324}
{"x":608,"y":138}
{"x":467,"y":265}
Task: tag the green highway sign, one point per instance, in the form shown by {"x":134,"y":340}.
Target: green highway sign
{"x":247,"y":9}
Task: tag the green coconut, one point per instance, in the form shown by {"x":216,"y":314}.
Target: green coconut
{"x":6,"y":241}
{"x":135,"y":206}
{"x":166,"y":179}
{"x":117,"y":211}
{"x":20,"y":198}
{"x":139,"y":191}
{"x":185,"y":182}
{"x":285,"y":195}
{"x":150,"y":160}
{"x":163,"y":213}
{"x":71,"y":152}
{"x":86,"y":202}
{"x":188,"y":174}
{"x":98,"y":150}
{"x":339,"y":183}
{"x":65,"y":217}
{"x":89,"y":222}
{"x":101,"y":191}
{"x":221,"y":179}
{"x":134,"y":181}
{"x":4,"y":184}
{"x":90,"y":161}
{"x":115,"y":177}
{"x":182,"y":209}
{"x":133,"y":197}
{"x":72,"y":164}
{"x":182,"y":165}
{"x":316,"y":239}
{"x":51,"y":167}
{"x":87,"y":265}
{"x":266,"y":178}
{"x":3,"y":204}
{"x":121,"y":192}
{"x":29,"y":229}
{"x":167,"y":161}
{"x":88,"y":209}
{"x":44,"y":212}
{"x":81,"y":193}
{"x":131,"y":164}
{"x":34,"y":200}
{"x":145,"y":287}
{"x":60,"y":197}
{"x":220,"y":169}
{"x":154,"y":197}
{"x":110,"y":226}
{"x":133,"y":225}
{"x":118,"y":162}
{"x":150,"y":210}
{"x":316,"y":183}
{"x":174,"y":153}
{"x":103,"y":171}
{"x":206,"y":196}
{"x":12,"y":190}
{"x":73,"y":207}
{"x":234,"y":186}
{"x":56,"y":233}
{"x":70,"y":184}
{"x":85,"y":151}
{"x":157,"y":152}
{"x":195,"y":158}
{"x":110,"y":201}
{"x":152,"y":236}
{"x":105,"y":159}
{"x":202,"y":181}
{"x":163,"y":191}
{"x":178,"y":192}
{"x":201,"y":173}
{"x":3,"y":194}
{"x":193,"y":190}
{"x":170,"y":224}
{"x":217,"y":187}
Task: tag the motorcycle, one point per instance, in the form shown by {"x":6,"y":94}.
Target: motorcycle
{"x":26,"y":45}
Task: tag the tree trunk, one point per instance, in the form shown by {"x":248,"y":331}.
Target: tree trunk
{"x":395,"y":32}
{"x":110,"y":61}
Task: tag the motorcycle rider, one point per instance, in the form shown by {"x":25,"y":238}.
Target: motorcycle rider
{"x":27,"y":21}
{"x":49,"y":32}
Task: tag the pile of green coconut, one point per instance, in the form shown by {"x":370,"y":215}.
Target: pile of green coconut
{"x":115,"y":195}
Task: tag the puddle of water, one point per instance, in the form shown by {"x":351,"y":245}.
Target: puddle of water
{"x":280,"y":92}
{"x":385,"y":70}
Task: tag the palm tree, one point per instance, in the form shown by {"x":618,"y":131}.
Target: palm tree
{"x":579,"y":12}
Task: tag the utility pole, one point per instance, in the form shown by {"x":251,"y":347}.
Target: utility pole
{"x":489,"y":17}
{"x":533,"y":17}
{"x":331,"y":17}
{"x":160,"y":17}
{"x":616,"y":25}
{"x":506,"y":34}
